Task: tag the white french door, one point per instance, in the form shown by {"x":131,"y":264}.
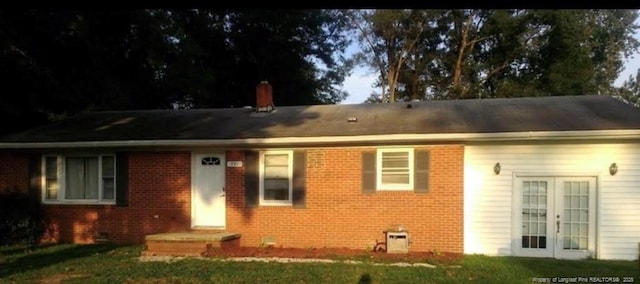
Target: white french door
{"x":555,"y":217}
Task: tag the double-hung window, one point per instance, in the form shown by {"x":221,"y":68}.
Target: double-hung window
{"x":276,"y":177}
{"x":395,"y":169}
{"x":79,"y":178}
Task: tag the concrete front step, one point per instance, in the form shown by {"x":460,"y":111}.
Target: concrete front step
{"x":189,"y":243}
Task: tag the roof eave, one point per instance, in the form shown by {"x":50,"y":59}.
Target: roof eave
{"x":622,"y":134}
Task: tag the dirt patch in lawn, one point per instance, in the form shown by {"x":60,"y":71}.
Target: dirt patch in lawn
{"x":59,"y":278}
{"x":336,"y":254}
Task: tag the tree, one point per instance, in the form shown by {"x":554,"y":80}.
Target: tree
{"x":465,"y":36}
{"x":59,"y":63}
{"x":416,"y":81}
{"x":503,"y":55}
{"x":564,"y":63}
{"x":388,"y":38}
{"x":630,"y":90}
{"x":578,"y":52}
{"x":612,"y":33}
{"x":300,"y":52}
{"x":461,"y":54}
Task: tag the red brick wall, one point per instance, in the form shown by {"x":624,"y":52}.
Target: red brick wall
{"x":159,"y":185}
{"x":14,"y":172}
{"x":338,"y":214}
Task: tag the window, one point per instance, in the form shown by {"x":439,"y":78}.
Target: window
{"x":276,"y":173}
{"x":51,"y":178}
{"x":394,"y":169}
{"x":210,"y":161}
{"x":79,"y":178}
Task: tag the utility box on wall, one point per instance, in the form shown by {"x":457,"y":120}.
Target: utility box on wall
{"x":397,"y":239}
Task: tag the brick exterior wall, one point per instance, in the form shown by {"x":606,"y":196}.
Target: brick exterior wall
{"x":159,"y":186}
{"x":339,"y":214}
{"x":14,"y":172}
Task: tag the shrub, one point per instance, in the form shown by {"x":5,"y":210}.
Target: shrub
{"x":21,"y":218}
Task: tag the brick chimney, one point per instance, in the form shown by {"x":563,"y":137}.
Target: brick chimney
{"x":264,"y":97}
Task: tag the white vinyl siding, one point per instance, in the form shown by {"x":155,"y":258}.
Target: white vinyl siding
{"x":488,"y":197}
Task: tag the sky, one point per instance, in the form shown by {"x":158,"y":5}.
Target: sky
{"x":359,"y":83}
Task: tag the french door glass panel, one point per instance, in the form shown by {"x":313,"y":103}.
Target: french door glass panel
{"x":576,"y":215}
{"x":534,"y":214}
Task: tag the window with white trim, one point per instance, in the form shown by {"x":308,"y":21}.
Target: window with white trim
{"x":394,"y":169}
{"x":79,"y":178}
{"x":276,"y":176}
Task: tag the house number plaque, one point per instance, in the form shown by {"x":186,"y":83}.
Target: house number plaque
{"x":234,"y":164}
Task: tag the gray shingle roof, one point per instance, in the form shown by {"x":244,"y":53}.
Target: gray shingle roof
{"x":567,"y":113}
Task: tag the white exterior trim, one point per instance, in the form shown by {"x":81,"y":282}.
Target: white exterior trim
{"x":264,"y":202}
{"x":467,"y":137}
{"x":394,"y":187}
{"x":61,"y":176}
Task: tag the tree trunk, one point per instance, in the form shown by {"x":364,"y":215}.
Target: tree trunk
{"x":392,"y":83}
{"x":462,"y":46}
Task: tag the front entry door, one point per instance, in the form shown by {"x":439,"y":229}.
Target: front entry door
{"x":208,"y":196}
{"x":555,"y":217}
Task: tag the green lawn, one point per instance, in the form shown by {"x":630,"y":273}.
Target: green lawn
{"x":120,"y":264}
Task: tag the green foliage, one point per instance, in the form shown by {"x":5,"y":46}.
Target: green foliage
{"x":20,"y":218}
{"x":479,"y":53}
{"x":59,"y":63}
{"x":297,"y":51}
{"x":390,"y":40}
{"x":64,"y":62}
{"x":630,"y":91}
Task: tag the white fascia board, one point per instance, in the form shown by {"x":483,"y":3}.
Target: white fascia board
{"x":327,"y":140}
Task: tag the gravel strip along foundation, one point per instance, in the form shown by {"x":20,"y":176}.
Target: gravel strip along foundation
{"x":282,"y":260}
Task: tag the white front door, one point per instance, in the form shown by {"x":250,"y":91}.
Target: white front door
{"x":555,"y":217}
{"x":208,"y":196}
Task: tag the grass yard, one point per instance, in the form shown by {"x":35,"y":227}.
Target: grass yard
{"x":121,"y":264}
